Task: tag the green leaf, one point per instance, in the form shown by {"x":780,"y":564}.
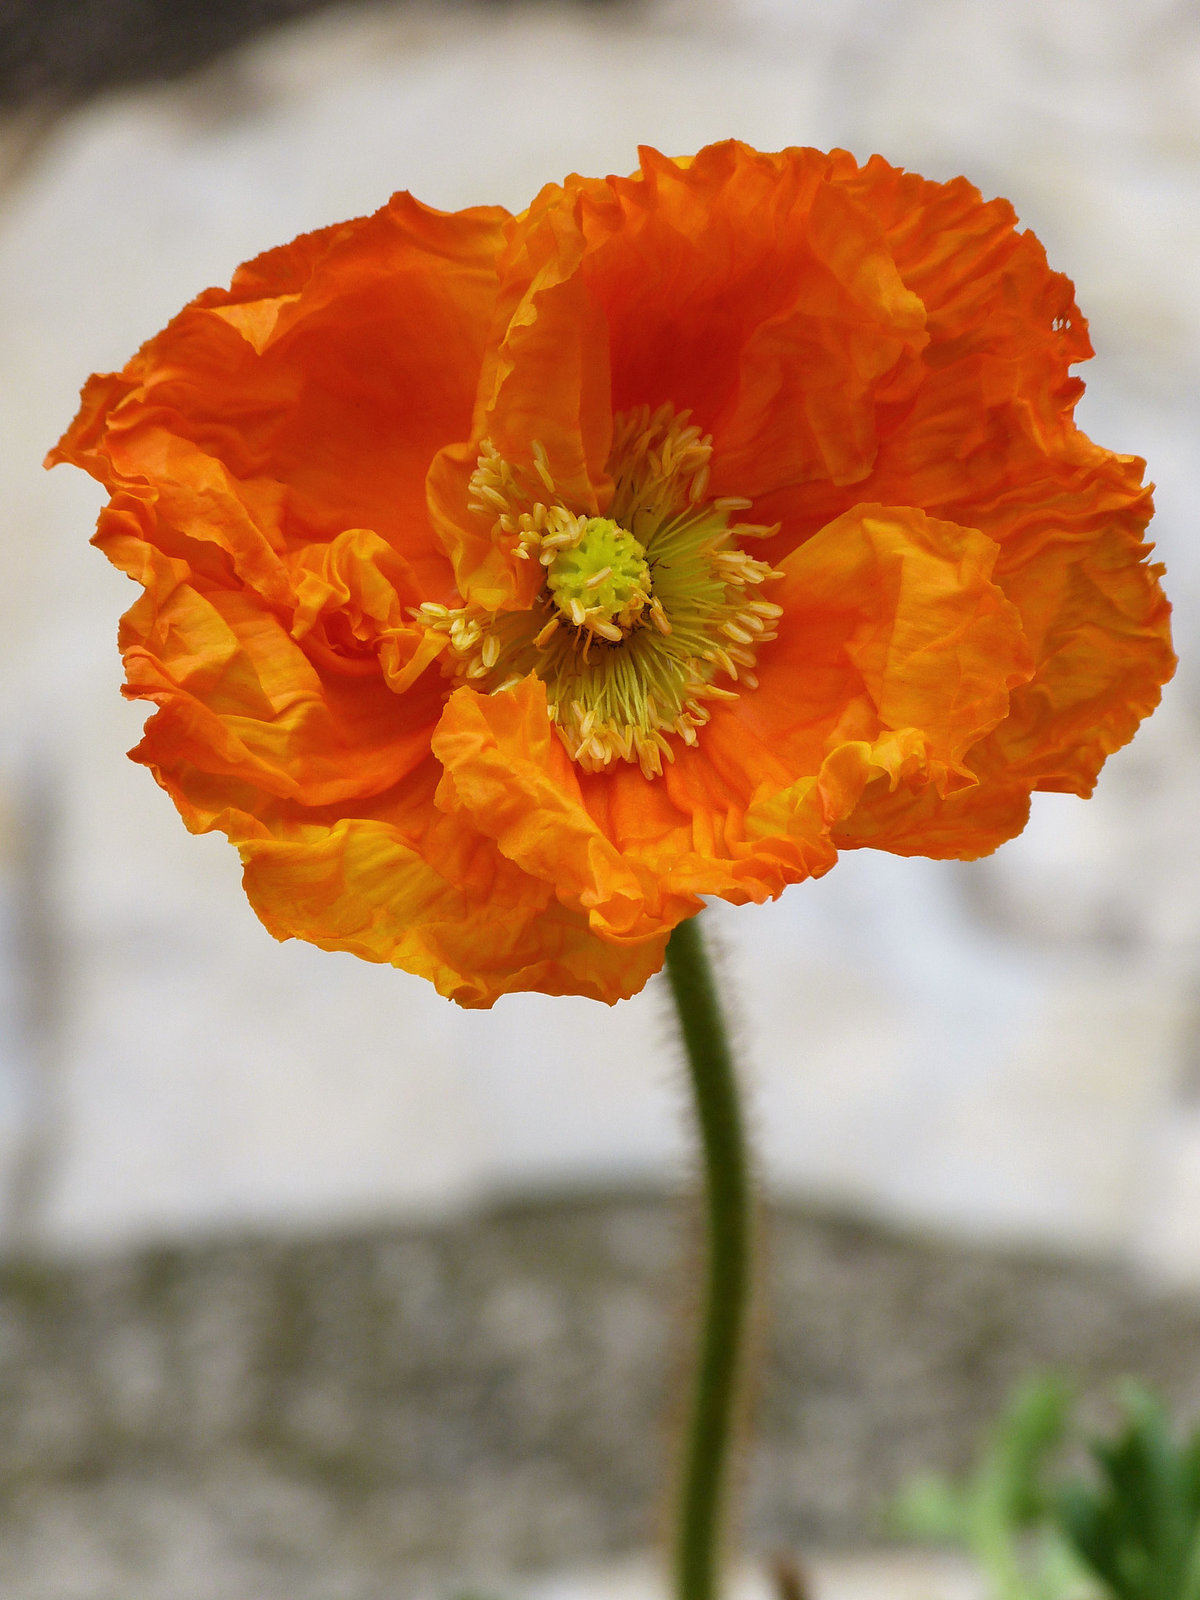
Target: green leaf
{"x":999,"y":1513}
{"x":1138,"y":1526}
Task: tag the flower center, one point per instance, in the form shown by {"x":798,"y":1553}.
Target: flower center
{"x":602,"y":583}
{"x":640,"y":611}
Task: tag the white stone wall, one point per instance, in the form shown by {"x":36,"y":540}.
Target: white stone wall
{"x":1007,"y":1048}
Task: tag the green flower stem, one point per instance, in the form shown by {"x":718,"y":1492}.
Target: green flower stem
{"x":711,"y":1423}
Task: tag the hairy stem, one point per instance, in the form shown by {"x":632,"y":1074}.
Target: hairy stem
{"x":711,"y":1421}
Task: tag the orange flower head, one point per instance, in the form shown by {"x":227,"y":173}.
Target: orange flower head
{"x":512,"y":582}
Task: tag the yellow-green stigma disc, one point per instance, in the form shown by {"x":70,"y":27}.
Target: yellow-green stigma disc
{"x":602,"y":582}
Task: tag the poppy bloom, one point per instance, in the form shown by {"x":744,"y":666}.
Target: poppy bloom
{"x":511,"y":582}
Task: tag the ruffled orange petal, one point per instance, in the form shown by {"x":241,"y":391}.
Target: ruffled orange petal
{"x":724,"y":279}
{"x":506,"y":770}
{"x":1069,"y":517}
{"x":355,"y":603}
{"x":239,"y":698}
{"x":358,"y":886}
{"x":920,"y":822}
{"x":319,"y":408}
{"x":896,"y":653}
{"x":902,"y":611}
{"x":545,"y":382}
{"x":751,"y":291}
{"x":1105,"y":653}
{"x":987,"y":440}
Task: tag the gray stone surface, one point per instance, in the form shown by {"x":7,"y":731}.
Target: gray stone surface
{"x":388,"y":1413}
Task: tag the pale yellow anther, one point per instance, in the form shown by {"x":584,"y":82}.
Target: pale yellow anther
{"x":650,"y":760}
{"x":541,"y":466}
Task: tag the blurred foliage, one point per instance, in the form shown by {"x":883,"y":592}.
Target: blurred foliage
{"x":1139,"y":1527}
{"x":1132,"y":1532}
{"x":1001,"y":1514}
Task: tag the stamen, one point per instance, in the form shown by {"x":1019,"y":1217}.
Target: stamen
{"x":641,"y":610}
{"x":541,"y":466}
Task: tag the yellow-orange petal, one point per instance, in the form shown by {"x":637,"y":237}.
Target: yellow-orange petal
{"x":354,"y":604}
{"x":908,"y":602}
{"x":239,"y":698}
{"x":357,"y":886}
{"x":506,"y":769}
{"x":896,"y":646}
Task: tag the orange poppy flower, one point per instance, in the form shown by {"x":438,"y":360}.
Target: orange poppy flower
{"x":513,"y":582}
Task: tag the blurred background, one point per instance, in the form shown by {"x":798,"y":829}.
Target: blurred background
{"x":314,"y":1286}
